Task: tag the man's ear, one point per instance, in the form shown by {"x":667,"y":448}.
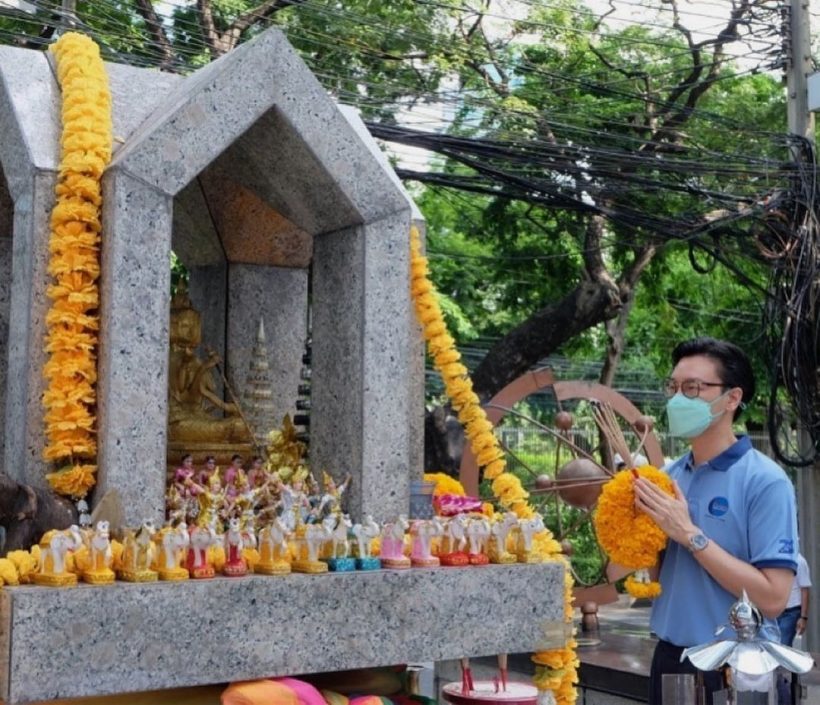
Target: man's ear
{"x":735,"y":398}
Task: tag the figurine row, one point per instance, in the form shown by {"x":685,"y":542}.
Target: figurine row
{"x":177,"y":552}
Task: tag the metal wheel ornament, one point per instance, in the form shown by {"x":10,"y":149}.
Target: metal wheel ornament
{"x":576,"y":483}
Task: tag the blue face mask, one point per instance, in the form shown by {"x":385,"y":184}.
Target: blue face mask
{"x":690,"y":417}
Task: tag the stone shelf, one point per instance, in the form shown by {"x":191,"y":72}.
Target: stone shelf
{"x":98,"y":640}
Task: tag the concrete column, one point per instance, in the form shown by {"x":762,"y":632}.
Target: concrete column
{"x":6,"y":226}
{"x":132,"y":390}
{"x":278,"y":296}
{"x":363,"y":371}
{"x":24,"y":435}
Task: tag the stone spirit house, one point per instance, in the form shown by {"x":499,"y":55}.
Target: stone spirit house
{"x":250,"y":173}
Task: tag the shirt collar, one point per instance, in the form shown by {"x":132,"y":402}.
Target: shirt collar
{"x":726,"y":459}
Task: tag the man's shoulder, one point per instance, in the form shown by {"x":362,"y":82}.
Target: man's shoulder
{"x":760,"y":468}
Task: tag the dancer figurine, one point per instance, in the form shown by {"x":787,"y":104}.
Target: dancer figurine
{"x":198,"y":562}
{"x":235,"y":563}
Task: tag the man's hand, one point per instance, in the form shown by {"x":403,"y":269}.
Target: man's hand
{"x":669,"y":513}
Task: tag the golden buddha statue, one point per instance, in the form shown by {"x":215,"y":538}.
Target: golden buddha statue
{"x":197,"y":417}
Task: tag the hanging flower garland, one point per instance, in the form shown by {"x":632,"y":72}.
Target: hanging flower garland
{"x":72,"y":321}
{"x":556,"y":669}
{"x":630,"y":537}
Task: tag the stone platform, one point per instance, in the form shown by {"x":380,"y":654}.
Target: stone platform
{"x":89,"y":640}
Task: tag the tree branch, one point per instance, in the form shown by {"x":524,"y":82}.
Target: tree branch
{"x":156,"y":30}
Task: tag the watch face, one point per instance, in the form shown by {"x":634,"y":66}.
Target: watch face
{"x":698,"y":542}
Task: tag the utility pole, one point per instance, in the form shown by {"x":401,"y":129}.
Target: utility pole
{"x":797,"y":42}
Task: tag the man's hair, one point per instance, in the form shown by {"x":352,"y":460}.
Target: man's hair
{"x":734,"y":368}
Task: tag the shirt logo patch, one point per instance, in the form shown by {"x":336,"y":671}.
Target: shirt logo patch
{"x":718,"y":506}
{"x":786,"y":546}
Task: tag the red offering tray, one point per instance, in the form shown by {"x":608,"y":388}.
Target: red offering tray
{"x":490,"y":693}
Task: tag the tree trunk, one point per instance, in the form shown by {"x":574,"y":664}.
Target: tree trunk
{"x":590,"y":303}
{"x":26,"y":513}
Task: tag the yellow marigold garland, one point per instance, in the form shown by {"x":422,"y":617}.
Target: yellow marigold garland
{"x":630,"y":537}
{"x":72,"y":322}
{"x":444,"y":484}
{"x":556,"y":669}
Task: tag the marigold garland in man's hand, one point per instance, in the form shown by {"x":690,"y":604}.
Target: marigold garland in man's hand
{"x":629,"y":536}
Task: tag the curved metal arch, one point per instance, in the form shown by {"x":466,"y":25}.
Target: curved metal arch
{"x":535,"y":381}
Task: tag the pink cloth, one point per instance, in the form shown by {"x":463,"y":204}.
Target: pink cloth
{"x":449,"y":505}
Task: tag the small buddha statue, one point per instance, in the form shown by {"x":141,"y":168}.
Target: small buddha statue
{"x":194,"y":408}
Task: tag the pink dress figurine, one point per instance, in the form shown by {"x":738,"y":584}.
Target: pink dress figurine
{"x":232,"y":473}
{"x":392,"y":546}
{"x":208,"y":471}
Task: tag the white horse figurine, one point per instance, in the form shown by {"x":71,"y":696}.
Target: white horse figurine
{"x":233,"y":540}
{"x":393,"y":537}
{"x":500,"y":530}
{"x":478,"y":531}
{"x":316,"y":535}
{"x":101,"y":555}
{"x":364,"y":534}
{"x":338,"y":527}
{"x":456,"y":531}
{"x":528,"y":528}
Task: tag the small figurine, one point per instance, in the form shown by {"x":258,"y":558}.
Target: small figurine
{"x":198,"y":562}
{"x":100,"y":556}
{"x":331,"y":500}
{"x":172,"y":547}
{"x":423,"y":532}
{"x":138,"y":555}
{"x":478,"y":531}
{"x":313,"y":537}
{"x":85,"y":520}
{"x":208,"y":471}
{"x":184,"y":489}
{"x":454,"y":542}
{"x":232,"y":476}
{"x":499,"y":532}
{"x":257,"y":476}
{"x":392,"y":548}
{"x":364,"y":534}
{"x":274,"y":557}
{"x":338,"y":526}
{"x":52,"y":568}
{"x":235,"y":563}
{"x":527,"y":528}
{"x":213,"y":504}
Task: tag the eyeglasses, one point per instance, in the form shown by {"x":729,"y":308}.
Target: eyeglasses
{"x":689,"y":387}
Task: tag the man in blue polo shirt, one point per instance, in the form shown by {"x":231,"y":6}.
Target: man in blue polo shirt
{"x":732,"y":525}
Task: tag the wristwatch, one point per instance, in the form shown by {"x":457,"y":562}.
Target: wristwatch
{"x":697,"y":542}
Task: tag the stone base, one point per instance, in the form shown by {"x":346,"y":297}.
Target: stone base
{"x":138,"y":576}
{"x":202,"y":573}
{"x":274,"y":568}
{"x":50,"y":648}
{"x":309,"y":567}
{"x":341,"y":564}
{"x":235,"y":570}
{"x":455,"y":560}
{"x":396,"y":563}
{"x":99,"y":577}
{"x":56,"y":579}
{"x":174,"y":575}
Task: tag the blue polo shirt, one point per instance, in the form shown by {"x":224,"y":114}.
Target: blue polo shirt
{"x":744,"y":502}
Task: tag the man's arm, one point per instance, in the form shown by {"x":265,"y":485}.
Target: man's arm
{"x":804,"y":610}
{"x":768,"y":588}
